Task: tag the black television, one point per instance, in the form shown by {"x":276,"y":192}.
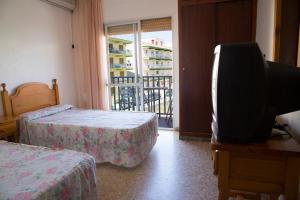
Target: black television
{"x":248,"y":92}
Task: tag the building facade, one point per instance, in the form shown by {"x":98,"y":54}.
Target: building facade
{"x":120,"y":57}
{"x":157,"y":58}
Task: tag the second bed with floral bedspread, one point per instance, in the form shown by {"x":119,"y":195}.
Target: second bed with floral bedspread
{"x":39,"y":173}
{"x":121,"y":138}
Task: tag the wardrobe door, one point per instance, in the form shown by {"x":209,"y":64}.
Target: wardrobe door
{"x":197,"y":41}
{"x":202,"y":26}
{"x":287,"y":31}
{"x":235,"y":21}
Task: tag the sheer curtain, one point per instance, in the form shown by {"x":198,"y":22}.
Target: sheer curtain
{"x":89,"y":51}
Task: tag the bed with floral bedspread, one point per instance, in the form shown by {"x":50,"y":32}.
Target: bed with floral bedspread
{"x":121,"y":138}
{"x":31,"y":172}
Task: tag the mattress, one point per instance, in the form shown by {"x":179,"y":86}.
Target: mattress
{"x":31,"y":172}
{"x":121,"y":138}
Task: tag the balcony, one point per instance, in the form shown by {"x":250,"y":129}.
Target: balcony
{"x":157,"y":95}
{"x":158,"y":57}
{"x":118,"y":52}
{"x":121,"y":66}
{"x":153,"y":67}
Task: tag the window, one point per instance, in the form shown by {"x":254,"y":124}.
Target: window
{"x":121,"y":47}
{"x":121,"y":60}
{"x":111,"y":46}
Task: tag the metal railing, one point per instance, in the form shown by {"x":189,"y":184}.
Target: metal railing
{"x":157,"y":94}
{"x":119,"y":66}
{"x":118,"y":51}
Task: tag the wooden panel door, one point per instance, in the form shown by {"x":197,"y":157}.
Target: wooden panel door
{"x":287,"y":31}
{"x":203,"y":25}
{"x":235,"y":21}
{"x":197,"y":44}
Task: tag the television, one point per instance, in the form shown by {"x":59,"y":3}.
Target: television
{"x":248,"y":92}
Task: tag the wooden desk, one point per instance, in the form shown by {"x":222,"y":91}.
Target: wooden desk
{"x":271,"y":168}
{"x":8,"y":128}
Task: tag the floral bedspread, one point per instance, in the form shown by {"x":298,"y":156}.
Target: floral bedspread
{"x":31,"y":172}
{"x":121,"y":138}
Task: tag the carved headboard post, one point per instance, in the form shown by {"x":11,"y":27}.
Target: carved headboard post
{"x":7,"y":109}
{"x":55,"y":88}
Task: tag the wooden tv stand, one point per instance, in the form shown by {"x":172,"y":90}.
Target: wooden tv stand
{"x":271,"y":168}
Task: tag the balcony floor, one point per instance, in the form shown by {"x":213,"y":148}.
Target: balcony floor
{"x":164,"y":123}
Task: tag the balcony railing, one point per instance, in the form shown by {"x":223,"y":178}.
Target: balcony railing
{"x":159,"y":56}
{"x":121,"y":66}
{"x":157,"y":95}
{"x":126,"y":52}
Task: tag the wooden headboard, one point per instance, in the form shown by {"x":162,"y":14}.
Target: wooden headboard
{"x":29,"y":97}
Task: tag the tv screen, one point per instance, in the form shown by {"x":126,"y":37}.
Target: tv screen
{"x":248,"y":92}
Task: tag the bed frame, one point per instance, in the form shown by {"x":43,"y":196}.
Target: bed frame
{"x":29,"y":97}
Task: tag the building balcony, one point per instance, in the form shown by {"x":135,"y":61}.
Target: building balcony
{"x":117,"y":52}
{"x":160,"y":67}
{"x":121,"y":66}
{"x":158,"y":57}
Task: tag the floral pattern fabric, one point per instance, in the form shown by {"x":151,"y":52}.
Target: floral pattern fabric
{"x":31,"y":172}
{"x":121,"y":138}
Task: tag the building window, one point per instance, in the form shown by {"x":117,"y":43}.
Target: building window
{"x":111,"y":46}
{"x":128,"y":63}
{"x":121,"y":47}
{"x":121,"y":60}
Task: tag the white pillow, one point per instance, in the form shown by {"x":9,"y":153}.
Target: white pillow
{"x":292,"y":120}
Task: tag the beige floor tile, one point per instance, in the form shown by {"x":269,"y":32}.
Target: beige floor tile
{"x":175,"y":170}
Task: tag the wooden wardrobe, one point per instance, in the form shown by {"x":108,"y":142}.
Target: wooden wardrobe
{"x":203,"y":24}
{"x":287,"y":32}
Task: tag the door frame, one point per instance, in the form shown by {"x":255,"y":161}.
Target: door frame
{"x":138,"y":84}
{"x":176,"y":79}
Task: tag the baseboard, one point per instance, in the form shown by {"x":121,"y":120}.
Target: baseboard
{"x":204,"y":136}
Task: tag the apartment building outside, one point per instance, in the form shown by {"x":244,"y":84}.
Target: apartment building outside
{"x":157,"y":58}
{"x":120,"y":57}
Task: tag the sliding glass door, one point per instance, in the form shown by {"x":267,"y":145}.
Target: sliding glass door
{"x":140,"y":65}
{"x":124,"y":67}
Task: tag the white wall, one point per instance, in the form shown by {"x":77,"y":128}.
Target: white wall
{"x":117,"y":11}
{"x":265,"y":26}
{"x":35,"y":46}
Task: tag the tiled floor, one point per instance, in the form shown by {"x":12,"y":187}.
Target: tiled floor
{"x":174,"y":170}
